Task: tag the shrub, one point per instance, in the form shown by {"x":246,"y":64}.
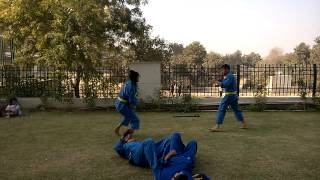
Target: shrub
{"x":260,"y":99}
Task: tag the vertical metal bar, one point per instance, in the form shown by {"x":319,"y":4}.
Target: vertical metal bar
{"x":315,"y":74}
{"x":295,"y":79}
{"x":238,"y":79}
{"x":12,"y":50}
{"x":249,"y":86}
{"x":1,"y":44}
{"x":265,"y":77}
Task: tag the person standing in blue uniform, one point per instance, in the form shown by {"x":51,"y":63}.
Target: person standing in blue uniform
{"x":125,"y":102}
{"x":229,"y":84}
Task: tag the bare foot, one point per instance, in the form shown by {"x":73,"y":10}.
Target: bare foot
{"x":117,"y":130}
{"x":215,"y":129}
{"x":244,"y":125}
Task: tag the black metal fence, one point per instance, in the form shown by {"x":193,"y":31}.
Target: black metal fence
{"x":276,"y":80}
{"x":58,"y":83}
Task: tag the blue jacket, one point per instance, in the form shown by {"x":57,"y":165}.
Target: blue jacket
{"x":129,"y":93}
{"x":127,"y":149}
{"x":176,"y":164}
{"x":229,"y":83}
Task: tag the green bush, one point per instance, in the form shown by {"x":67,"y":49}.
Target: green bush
{"x":302,"y":91}
{"x":260,"y":99}
{"x":185,"y":103}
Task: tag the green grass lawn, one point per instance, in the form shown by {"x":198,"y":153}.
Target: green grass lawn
{"x":78,"y":145}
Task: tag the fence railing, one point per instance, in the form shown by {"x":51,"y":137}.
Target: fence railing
{"x":276,"y":80}
{"x":58,"y":83}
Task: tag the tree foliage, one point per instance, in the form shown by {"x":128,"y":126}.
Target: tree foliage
{"x":194,"y":54}
{"x":315,"y":52}
{"x":275,"y":56}
{"x":302,"y":51}
{"x":70,"y":33}
{"x":212,"y":59}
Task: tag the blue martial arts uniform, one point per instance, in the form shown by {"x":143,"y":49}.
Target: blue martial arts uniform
{"x":148,"y":152}
{"x":128,"y":98}
{"x":183,"y":162}
{"x":231,"y":97}
{"x":139,"y":153}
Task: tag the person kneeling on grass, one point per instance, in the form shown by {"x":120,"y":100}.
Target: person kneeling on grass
{"x":168,"y":158}
{"x":126,"y":100}
{"x":13,"y":109}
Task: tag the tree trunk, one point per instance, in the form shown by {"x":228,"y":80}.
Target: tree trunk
{"x":76,"y":85}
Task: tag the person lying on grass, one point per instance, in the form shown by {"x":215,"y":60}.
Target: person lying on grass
{"x":168,"y":158}
{"x":13,"y":109}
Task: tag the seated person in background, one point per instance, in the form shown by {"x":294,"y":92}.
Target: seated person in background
{"x":13,"y":109}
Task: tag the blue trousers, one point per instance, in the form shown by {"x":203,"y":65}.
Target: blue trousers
{"x":129,"y":117}
{"x":173,"y":142}
{"x":229,"y":100}
{"x":191,"y":150}
{"x":146,"y":155}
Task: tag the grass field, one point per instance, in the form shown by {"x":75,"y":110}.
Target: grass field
{"x":78,"y":145}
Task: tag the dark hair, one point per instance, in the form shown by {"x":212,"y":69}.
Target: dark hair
{"x":181,"y":177}
{"x":133,"y":76}
{"x":226,"y":66}
{"x":12,"y":99}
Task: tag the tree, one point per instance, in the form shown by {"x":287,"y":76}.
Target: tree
{"x":233,"y":59}
{"x":303,"y":53}
{"x":194,"y":54}
{"x":176,"y":48}
{"x":176,"y":54}
{"x":289,"y":59}
{"x":151,"y":49}
{"x":251,"y":59}
{"x":212,"y":59}
{"x":315,"y":52}
{"x":275,"y":56}
{"x":70,"y":33}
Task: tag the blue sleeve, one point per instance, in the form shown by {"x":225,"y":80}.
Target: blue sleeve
{"x":176,"y":143}
{"x":118,"y":147}
{"x":227,"y":81}
{"x":132,"y":94}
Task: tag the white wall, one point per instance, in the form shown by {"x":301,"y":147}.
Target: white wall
{"x":150,"y":78}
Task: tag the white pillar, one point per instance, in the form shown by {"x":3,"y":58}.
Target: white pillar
{"x":150,"y":79}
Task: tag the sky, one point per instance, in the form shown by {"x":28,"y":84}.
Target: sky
{"x":225,"y":26}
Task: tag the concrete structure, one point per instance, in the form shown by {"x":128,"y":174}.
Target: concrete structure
{"x":33,"y":103}
{"x":279,"y":83}
{"x":150,"y":79}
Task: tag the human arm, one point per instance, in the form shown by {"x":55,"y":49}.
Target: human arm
{"x":226,"y":82}
{"x":118,"y":147}
{"x":170,"y":154}
{"x":132,"y":94}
